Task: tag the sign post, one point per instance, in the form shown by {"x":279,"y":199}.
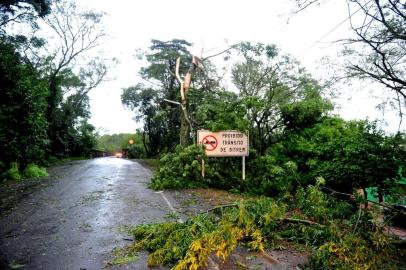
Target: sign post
{"x":243,"y":168}
{"x":202,"y":167}
{"x":227,"y":143}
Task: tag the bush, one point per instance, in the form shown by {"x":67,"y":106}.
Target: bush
{"x":225,"y":173}
{"x":270,"y":177}
{"x":349,"y":155}
{"x":136,"y":151}
{"x":13,"y":173}
{"x":181,"y":169}
{"x":34,"y":171}
{"x":265,"y":175}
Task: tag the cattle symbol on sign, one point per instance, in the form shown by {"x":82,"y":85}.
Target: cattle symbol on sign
{"x":226,"y":143}
{"x":210,"y":142}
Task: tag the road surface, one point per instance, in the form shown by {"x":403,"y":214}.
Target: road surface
{"x":78,"y":219}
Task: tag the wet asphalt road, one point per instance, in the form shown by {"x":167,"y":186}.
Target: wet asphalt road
{"x":77,"y":220}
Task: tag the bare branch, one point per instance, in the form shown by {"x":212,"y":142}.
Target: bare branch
{"x":220,"y":53}
{"x":306,"y":5}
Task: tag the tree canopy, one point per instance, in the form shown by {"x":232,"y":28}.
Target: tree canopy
{"x":377,"y":49}
{"x":44,"y":92}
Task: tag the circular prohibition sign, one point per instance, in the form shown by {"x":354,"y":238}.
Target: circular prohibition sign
{"x":210,"y":142}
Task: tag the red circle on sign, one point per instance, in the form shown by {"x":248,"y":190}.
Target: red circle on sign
{"x":210,"y":142}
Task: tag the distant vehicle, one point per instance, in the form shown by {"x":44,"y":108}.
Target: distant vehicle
{"x":119,"y":155}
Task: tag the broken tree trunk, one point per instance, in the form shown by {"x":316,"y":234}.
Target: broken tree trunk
{"x":185,"y":124}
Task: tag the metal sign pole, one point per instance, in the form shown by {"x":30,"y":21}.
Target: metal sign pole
{"x":203,"y":168}
{"x":243,"y":168}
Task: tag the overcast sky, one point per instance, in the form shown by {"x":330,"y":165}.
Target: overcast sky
{"x":212,"y":25}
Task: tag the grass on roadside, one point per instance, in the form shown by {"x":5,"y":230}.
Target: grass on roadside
{"x":151,"y":163}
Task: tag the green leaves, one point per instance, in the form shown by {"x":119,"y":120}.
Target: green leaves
{"x":180,"y":169}
{"x":221,"y":110}
{"x":308,"y":218}
{"x":34,"y":171}
{"x":22,"y":109}
{"x":347,"y":154}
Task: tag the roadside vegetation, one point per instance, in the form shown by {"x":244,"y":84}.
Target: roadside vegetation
{"x":44,"y":104}
{"x":297,"y":207}
{"x":310,"y":169}
{"x":331,"y":231}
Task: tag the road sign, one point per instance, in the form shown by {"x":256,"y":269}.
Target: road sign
{"x":210,"y":143}
{"x":227,"y":143}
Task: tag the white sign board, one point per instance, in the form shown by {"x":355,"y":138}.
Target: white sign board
{"x":228,"y":143}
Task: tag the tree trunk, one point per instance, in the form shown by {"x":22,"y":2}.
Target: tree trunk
{"x":184,"y":128}
{"x":185,"y":125}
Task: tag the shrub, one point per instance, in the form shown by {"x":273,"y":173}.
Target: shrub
{"x":13,"y":173}
{"x":34,"y":171}
{"x":225,"y":173}
{"x":181,"y":169}
{"x":136,"y":151}
{"x":349,"y":155}
{"x":270,"y":177}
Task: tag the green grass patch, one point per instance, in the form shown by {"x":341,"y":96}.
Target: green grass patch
{"x":13,"y":172}
{"x":33,"y":171}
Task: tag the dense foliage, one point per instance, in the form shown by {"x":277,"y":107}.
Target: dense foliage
{"x":349,"y":155}
{"x":23,"y":124}
{"x":293,"y":138}
{"x":299,"y":151}
{"x":180,"y":169}
{"x":161,"y":121}
{"x":43,"y":102}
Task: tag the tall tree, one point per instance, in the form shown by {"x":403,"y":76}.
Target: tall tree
{"x":145,"y":102}
{"x":378,"y":50}
{"x":267,"y":82}
{"x":23,"y":91}
{"x":77,"y":32}
{"x":381,"y":36}
{"x":23,"y":125}
{"x":162,"y":122}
